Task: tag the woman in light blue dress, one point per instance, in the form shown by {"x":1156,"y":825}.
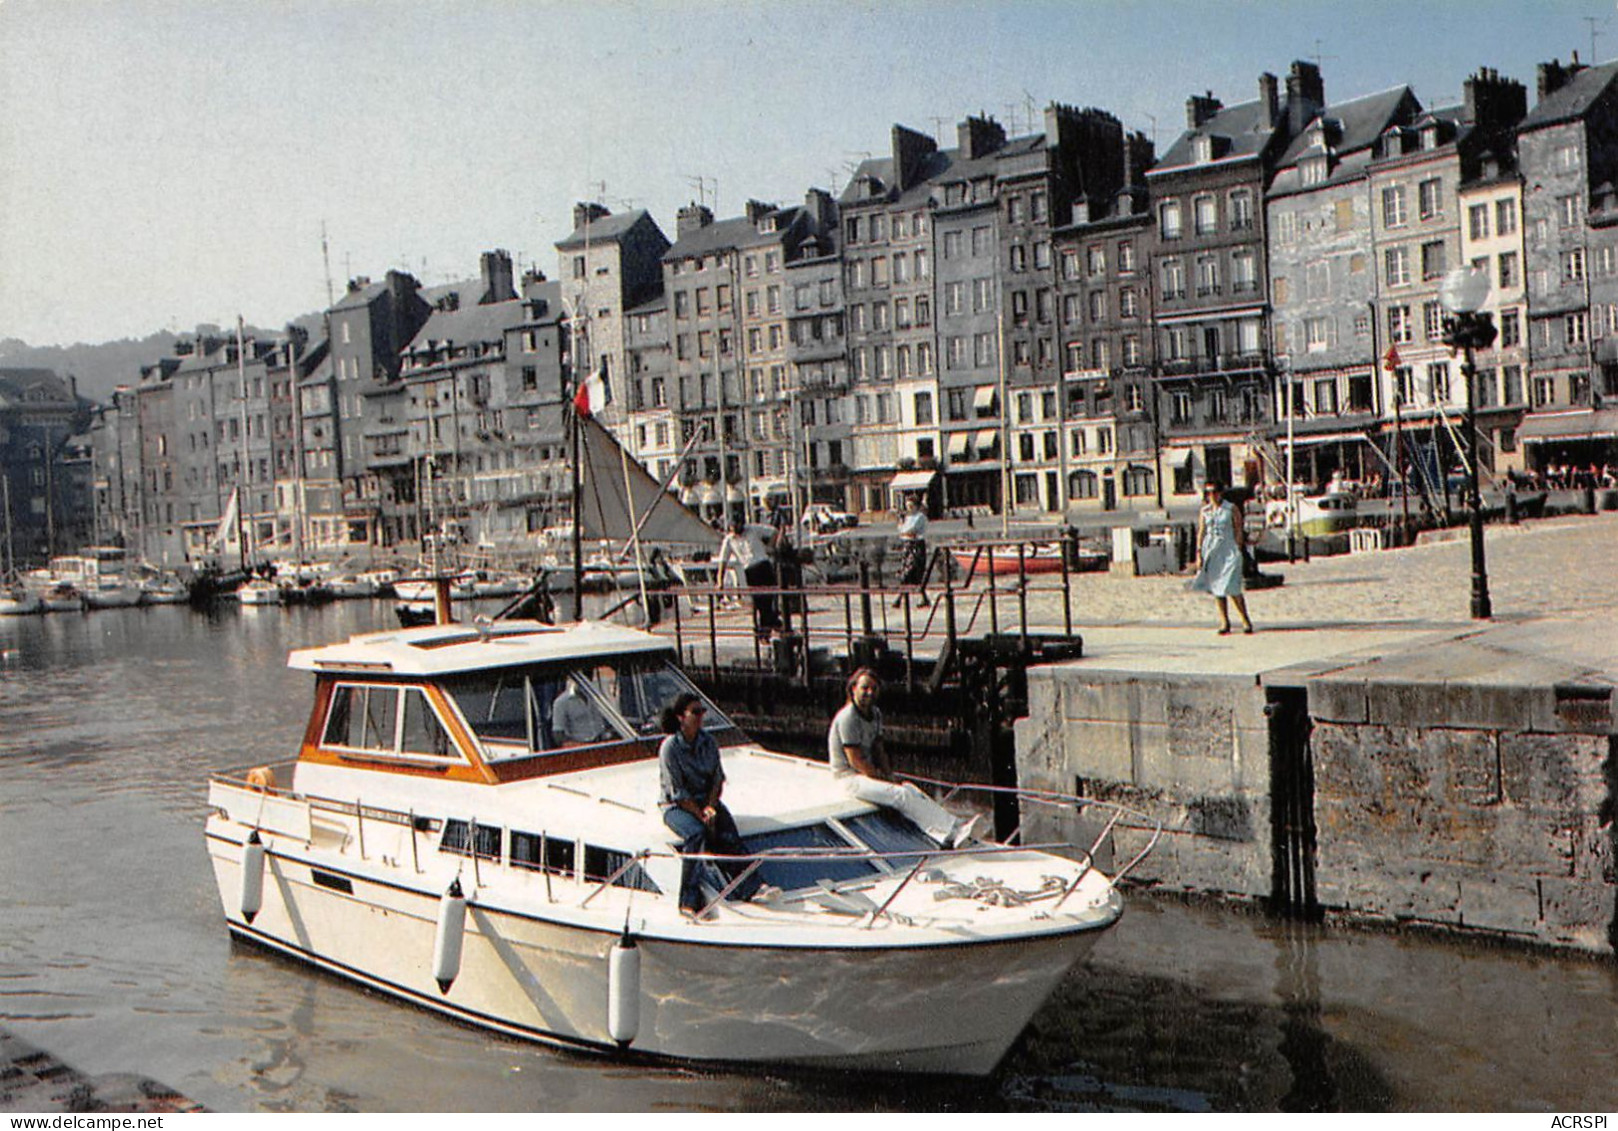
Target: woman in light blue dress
{"x":1220,"y":539}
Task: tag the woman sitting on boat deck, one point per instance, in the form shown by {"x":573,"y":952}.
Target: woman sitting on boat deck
{"x":691,"y":780}
{"x":854,"y":748}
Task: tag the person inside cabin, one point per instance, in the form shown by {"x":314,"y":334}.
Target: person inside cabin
{"x":575,"y":720}
{"x":691,"y":778}
{"x":854,"y":748}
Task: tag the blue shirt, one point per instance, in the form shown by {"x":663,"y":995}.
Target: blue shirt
{"x":688,"y":771}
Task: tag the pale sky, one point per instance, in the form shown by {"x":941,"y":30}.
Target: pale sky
{"x":169,"y":163}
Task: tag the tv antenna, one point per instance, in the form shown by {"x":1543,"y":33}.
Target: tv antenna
{"x":325,"y":255}
{"x":702,"y":185}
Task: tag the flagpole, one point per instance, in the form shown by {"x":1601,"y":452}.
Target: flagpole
{"x":578,"y":529}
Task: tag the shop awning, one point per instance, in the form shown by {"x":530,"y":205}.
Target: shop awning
{"x":1303,"y":440}
{"x":1569,"y":427}
{"x":983,"y":398}
{"x":913,"y":480}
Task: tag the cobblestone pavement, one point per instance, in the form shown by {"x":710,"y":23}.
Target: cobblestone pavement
{"x":1554,"y":585}
{"x":1556,"y":567}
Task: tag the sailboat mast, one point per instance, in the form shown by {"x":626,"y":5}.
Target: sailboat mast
{"x":243,"y":528}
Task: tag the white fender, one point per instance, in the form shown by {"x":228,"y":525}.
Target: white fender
{"x":447,"y":941}
{"x":623,"y":990}
{"x":252,"y":895}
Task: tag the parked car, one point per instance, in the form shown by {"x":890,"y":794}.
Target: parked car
{"x":818,"y":518}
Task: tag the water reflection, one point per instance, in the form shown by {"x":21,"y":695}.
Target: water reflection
{"x":113,"y":954}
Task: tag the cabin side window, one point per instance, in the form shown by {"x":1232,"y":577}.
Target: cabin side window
{"x":367,"y":718}
{"x":600,"y":863}
{"x":542,"y":853}
{"x":464,"y":839}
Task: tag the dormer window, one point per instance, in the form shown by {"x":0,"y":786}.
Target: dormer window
{"x":1315,"y":169}
{"x":1429,"y":137}
{"x":1203,"y":149}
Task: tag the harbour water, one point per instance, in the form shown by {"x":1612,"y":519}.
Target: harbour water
{"x":113,"y":953}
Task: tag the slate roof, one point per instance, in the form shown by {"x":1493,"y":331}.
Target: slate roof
{"x":469,"y":324}
{"x":604,"y":229}
{"x":1240,"y":124}
{"x":735,"y":233}
{"x":364,"y":296}
{"x":1573,"y":100}
{"x":1352,"y":131}
{"x":939,"y":167}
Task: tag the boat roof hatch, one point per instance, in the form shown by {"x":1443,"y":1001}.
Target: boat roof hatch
{"x":443,"y":649}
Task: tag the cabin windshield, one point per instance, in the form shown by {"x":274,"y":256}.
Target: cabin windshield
{"x":795,"y":875}
{"x":518,"y":712}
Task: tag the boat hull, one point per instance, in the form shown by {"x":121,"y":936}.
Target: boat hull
{"x":943,"y":1007}
{"x":1005,"y":564}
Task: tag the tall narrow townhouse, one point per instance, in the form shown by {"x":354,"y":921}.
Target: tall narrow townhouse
{"x":817,"y":360}
{"x":726,"y":283}
{"x":295,"y":357}
{"x":1492,"y":242}
{"x":1416,"y":178}
{"x":888,"y":242}
{"x":534,"y":488}
{"x":222,"y":410}
{"x":367,"y":328}
{"x":158,"y":535}
{"x":1103,"y":330}
{"x":1323,"y":286}
{"x":1079,"y":155}
{"x":772,"y":240}
{"x":607,"y":265}
{"x":1568,"y":150}
{"x":1212,"y":313}
{"x":648,"y":354}
{"x":452,"y":401}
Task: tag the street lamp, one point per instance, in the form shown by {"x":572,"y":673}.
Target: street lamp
{"x":1467,"y":328}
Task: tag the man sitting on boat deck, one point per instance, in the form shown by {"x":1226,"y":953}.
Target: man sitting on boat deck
{"x":691,"y":779}
{"x":575,"y":720}
{"x":854,"y":747}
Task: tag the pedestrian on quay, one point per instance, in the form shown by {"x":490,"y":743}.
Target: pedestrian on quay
{"x":913,"y":548}
{"x":1221,"y":542}
{"x":691,"y":779}
{"x":748,"y":545}
{"x":854,"y":749}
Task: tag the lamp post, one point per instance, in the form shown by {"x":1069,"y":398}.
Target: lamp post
{"x":1467,"y":328}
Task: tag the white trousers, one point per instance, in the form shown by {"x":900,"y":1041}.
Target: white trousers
{"x":932,"y":818}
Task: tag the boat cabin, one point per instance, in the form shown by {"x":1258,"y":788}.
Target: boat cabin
{"x":493,"y":703}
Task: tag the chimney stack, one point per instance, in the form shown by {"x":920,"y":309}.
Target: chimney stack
{"x":978,"y":137}
{"x":495,"y":269}
{"x":1306,"y":95}
{"x":588,"y":213}
{"x":910,"y":152}
{"x":1269,"y":107}
{"x":692,"y":218}
{"x":1201,"y":107}
{"x":1553,"y":76}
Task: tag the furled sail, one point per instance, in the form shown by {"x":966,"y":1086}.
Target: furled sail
{"x":606,"y":513}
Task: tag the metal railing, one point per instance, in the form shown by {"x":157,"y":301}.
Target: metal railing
{"x":905,"y":862}
{"x":967,"y":588}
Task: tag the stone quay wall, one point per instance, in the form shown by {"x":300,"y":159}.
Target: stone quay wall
{"x":1468,"y":805}
{"x":1189,"y":751}
{"x":1383,"y":795}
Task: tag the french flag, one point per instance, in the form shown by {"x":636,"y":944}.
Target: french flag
{"x":593,"y":394}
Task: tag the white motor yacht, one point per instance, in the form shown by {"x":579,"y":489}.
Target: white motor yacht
{"x":439,"y":840}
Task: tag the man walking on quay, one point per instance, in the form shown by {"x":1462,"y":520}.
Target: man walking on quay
{"x":854,"y":747}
